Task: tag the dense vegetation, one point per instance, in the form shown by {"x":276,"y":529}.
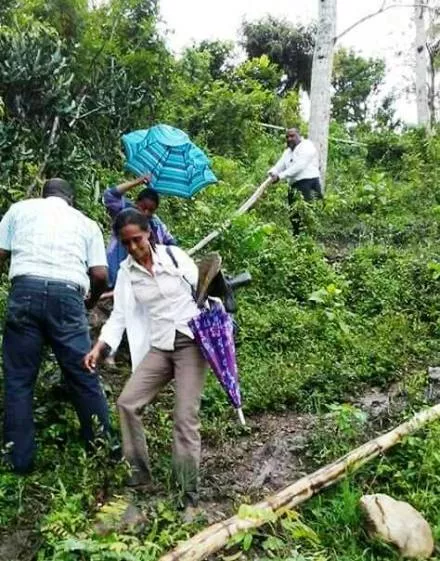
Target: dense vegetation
{"x":350,"y":303}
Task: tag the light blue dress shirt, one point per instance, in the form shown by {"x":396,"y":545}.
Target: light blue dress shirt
{"x":48,"y":238}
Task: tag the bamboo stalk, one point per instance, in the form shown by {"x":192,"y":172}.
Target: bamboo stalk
{"x":244,"y":208}
{"x":215,"y":537}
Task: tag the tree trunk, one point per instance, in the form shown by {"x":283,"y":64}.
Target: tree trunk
{"x":421,"y":65}
{"x":320,"y":93}
{"x":432,"y":93}
{"x":433,"y":51}
{"x":210,"y":540}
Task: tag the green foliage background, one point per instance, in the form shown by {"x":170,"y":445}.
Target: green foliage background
{"x":350,"y":303}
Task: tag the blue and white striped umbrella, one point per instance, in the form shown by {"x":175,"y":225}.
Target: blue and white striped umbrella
{"x":177,"y":166}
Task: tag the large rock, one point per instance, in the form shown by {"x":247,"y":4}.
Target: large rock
{"x":398,"y":523}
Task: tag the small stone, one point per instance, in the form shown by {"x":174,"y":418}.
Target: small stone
{"x":119,"y":516}
{"x":191,"y":513}
{"x":132,"y":518}
{"x":434,"y":373}
{"x":398,"y":523}
{"x":375,"y":402}
{"x":297,"y":442}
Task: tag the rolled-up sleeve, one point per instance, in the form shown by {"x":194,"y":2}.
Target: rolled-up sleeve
{"x":114,"y":202}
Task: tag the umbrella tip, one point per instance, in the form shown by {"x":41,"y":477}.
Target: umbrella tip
{"x":241,"y":416}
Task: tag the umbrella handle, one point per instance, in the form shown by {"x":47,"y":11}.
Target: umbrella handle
{"x":241,"y":416}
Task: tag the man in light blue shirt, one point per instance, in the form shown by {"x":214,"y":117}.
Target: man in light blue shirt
{"x":57,"y":257}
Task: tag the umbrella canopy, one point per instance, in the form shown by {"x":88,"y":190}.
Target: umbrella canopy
{"x":213,"y":332}
{"x":177,"y":166}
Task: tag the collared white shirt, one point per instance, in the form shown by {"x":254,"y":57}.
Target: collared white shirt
{"x":48,"y":238}
{"x":149,"y":323}
{"x":297,"y":164}
{"x":167,"y":295}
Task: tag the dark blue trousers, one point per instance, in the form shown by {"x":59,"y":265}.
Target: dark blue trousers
{"x":310,"y":189}
{"x":45,"y":311}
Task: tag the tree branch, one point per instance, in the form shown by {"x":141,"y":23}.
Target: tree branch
{"x":52,"y":141}
{"x":78,"y":110}
{"x":78,"y":117}
{"x":381,"y":10}
{"x":85,"y":88}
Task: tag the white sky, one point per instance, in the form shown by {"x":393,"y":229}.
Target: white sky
{"x":387,"y":35}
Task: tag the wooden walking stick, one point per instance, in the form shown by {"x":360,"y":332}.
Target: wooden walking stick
{"x":244,"y":208}
{"x":213,"y":538}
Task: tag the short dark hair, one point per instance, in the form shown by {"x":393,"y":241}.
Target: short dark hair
{"x":150,"y":194}
{"x":57,"y":187}
{"x":131,"y":216}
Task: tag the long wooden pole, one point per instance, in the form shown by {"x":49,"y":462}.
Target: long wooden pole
{"x":244,"y":208}
{"x":215,"y":537}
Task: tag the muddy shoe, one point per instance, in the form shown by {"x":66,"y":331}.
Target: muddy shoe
{"x":209,"y":267}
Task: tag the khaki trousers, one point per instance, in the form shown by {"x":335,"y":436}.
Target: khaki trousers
{"x":188,"y":367}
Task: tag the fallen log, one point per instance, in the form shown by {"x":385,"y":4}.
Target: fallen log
{"x":215,"y":537}
{"x":244,"y":208}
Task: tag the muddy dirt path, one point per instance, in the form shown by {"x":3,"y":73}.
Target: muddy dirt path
{"x":270,"y":457}
{"x":276,"y":452}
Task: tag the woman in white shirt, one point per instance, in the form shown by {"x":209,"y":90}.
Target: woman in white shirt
{"x":153,"y":302}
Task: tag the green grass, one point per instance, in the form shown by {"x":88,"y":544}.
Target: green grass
{"x":352,"y":302}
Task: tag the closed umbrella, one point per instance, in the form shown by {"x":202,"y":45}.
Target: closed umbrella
{"x":176,"y":165}
{"x":213,"y":331}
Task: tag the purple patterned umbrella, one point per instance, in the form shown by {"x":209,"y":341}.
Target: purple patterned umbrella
{"x":213,"y":332}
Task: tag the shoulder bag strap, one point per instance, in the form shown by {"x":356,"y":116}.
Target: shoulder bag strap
{"x":176,"y":264}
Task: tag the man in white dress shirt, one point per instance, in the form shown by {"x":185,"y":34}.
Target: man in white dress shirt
{"x":299,"y":164}
{"x":56,"y":256}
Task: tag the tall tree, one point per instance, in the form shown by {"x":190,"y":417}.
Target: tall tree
{"x":421,"y":64}
{"x":72,"y":79}
{"x":355,"y":79}
{"x":220,"y":55}
{"x":289,"y":46}
{"x":320,"y":94}
{"x":433,"y":50}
